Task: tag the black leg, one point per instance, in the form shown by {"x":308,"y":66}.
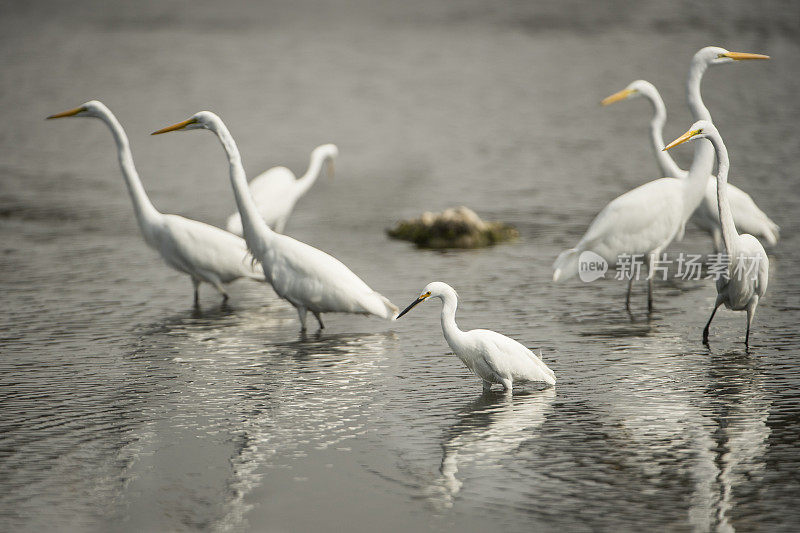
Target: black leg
{"x":318,"y":316}
{"x":708,"y":324}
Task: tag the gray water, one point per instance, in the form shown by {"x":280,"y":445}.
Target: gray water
{"x":122,"y":408}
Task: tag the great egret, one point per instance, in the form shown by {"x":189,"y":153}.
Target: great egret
{"x":204,"y":252}
{"x":748,"y":269}
{"x":643,"y":221}
{"x":277,"y":190}
{"x":309,"y":279}
{"x":493,"y":357}
{"x":746,"y":214}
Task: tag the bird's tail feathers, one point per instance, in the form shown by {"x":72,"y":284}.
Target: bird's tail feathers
{"x":390,"y":310}
{"x":566,"y":265}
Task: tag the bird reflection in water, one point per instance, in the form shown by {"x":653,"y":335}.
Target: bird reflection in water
{"x":490,"y":429}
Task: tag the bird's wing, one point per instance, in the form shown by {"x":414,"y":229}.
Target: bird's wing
{"x":321,"y":279}
{"x":200,"y":247}
{"x":274,"y":194}
{"x":638,"y":221}
{"x":751,"y":247}
{"x":748,"y":218}
{"x":507,"y":357}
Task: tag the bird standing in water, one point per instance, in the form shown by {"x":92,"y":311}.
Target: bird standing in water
{"x":748,"y":271}
{"x":206,"y":253}
{"x":308,"y":278}
{"x":493,"y":357}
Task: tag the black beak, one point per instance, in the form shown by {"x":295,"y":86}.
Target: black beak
{"x":407,"y":309}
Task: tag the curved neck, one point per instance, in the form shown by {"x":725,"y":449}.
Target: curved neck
{"x":314,"y":170}
{"x":449,"y":326}
{"x":694,"y":186}
{"x":253,"y":226}
{"x":696,"y":105}
{"x":729,"y":232}
{"x":146,"y":213}
{"x":667,"y":165}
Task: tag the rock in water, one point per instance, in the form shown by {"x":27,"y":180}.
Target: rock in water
{"x":456,"y":227}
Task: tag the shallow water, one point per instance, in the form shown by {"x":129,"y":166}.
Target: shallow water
{"x":123,"y":409}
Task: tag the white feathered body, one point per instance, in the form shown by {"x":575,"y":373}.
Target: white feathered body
{"x":496,"y":358}
{"x":748,"y":274}
{"x":314,"y":280}
{"x":275,"y":192}
{"x":641,"y":221}
{"x":746,"y":215}
{"x":204,"y":252}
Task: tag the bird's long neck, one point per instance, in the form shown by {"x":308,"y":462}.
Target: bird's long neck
{"x":729,"y":232}
{"x":696,"y":105}
{"x":253,"y":226}
{"x":146,"y":213}
{"x":667,"y":165}
{"x":314,"y":170}
{"x":694,"y":186}
{"x":449,"y":327}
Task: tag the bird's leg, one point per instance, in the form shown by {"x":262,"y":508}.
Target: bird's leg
{"x":301,"y":314}
{"x":628,"y":297}
{"x":487,"y":386}
{"x":196,"y":284}
{"x":751,"y":312}
{"x":708,"y":324}
{"x":650,"y":260}
{"x":319,"y":319}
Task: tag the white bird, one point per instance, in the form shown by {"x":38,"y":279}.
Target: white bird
{"x":746,"y":214}
{"x":276,"y":190}
{"x":644,"y":221}
{"x":493,"y":357}
{"x":308,"y":278}
{"x":748,"y":268}
{"x":204,"y":252}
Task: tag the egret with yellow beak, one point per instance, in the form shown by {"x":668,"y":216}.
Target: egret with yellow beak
{"x":306,"y":277}
{"x":205,"y":253}
{"x":493,"y":357}
{"x":748,"y":270}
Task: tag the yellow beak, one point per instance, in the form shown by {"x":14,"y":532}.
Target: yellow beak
{"x":682,"y":139}
{"x":616,"y":97}
{"x":739,"y":56}
{"x":70,"y":113}
{"x":175,"y":127}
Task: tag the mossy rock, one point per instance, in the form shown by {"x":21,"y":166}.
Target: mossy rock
{"x":456,"y":227}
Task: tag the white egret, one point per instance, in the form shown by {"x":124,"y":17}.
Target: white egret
{"x":746,"y":214}
{"x":748,"y":268}
{"x":308,"y":278}
{"x":276,"y":190}
{"x":644,"y":221}
{"x":493,"y":357}
{"x":204,"y":252}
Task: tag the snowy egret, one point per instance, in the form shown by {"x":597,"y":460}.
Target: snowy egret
{"x":748,"y":269}
{"x":746,"y":214}
{"x":645,"y":220}
{"x":277,"y":190}
{"x":204,"y":252}
{"x":493,"y":357}
{"x":308,"y":278}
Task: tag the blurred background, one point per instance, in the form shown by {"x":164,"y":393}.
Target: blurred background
{"x":124,"y":409}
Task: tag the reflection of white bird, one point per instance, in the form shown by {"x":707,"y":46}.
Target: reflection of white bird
{"x":277,"y":190}
{"x":308,"y":278}
{"x":746,"y":214}
{"x":748,"y":270}
{"x":495,"y":358}
{"x":643,"y":221}
{"x":204,"y":252}
{"x":489,"y":430}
